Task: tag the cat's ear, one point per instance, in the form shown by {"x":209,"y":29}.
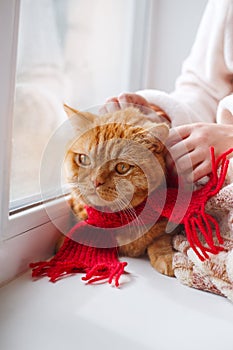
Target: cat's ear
{"x":160,"y":133}
{"x":70,"y":111}
{"x":80,"y":120}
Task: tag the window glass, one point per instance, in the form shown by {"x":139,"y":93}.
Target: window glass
{"x":73,"y":51}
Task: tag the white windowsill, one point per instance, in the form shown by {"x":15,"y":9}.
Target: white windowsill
{"x":41,"y":214}
{"x":32,"y":236}
{"x":148,"y":311}
{"x":17,"y":252}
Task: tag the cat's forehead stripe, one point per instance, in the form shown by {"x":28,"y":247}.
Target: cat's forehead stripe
{"x":100,"y":139}
{"x":99,"y":142}
{"x":101,"y":134}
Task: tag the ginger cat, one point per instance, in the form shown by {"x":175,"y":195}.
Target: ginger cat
{"x":116,"y":160}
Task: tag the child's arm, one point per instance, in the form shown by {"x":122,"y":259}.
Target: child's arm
{"x":206,"y":76}
{"x":207,"y":73}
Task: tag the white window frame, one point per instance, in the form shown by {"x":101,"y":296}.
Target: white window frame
{"x":29,"y":234}
{"x":27,"y":219}
{"x":9,"y":18}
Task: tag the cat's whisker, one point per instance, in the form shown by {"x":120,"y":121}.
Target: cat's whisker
{"x":79,"y":189}
{"x":82,"y":188}
{"x":83,"y":191}
{"x":139,"y":224}
{"x":129,"y":221}
{"x":73,"y":185}
{"x":133,"y":220}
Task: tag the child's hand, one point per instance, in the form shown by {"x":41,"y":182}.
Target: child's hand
{"x":189,"y":147}
{"x":122,"y":101}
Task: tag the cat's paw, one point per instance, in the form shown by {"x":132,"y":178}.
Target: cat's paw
{"x":163,"y":264}
{"x":161,"y":255}
{"x":132,"y":250}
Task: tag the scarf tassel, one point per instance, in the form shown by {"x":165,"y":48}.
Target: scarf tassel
{"x":98,"y":272}
{"x":105,"y":272}
{"x":198,"y":221}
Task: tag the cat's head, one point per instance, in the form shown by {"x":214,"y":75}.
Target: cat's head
{"x":116,"y":159}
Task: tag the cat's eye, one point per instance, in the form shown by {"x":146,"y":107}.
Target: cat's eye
{"x":83,"y":159}
{"x":122,"y":168}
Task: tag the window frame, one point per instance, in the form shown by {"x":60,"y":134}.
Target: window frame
{"x":26,"y":219}
{"x":9,"y":23}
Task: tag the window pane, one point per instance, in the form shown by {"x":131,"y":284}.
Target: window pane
{"x":77,"y":51}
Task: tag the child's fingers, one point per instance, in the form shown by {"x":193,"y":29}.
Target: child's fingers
{"x":177,"y":134}
{"x":131,"y":99}
{"x":111,"y":105}
{"x":192,"y":165}
{"x":200,"y":171}
{"x":181,"y":148}
{"x":125,"y":100}
{"x":188,"y":162}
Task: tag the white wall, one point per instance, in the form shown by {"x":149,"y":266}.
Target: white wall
{"x":173,"y":27}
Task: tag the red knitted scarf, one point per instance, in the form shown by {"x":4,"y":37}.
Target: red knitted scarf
{"x":90,"y":247}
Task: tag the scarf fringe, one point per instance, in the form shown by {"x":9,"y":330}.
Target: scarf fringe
{"x":55,"y":270}
{"x":98,"y":272}
{"x":198,"y":221}
{"x":104,"y":272}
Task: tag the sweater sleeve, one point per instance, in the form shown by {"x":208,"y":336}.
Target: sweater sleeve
{"x":207,"y":73}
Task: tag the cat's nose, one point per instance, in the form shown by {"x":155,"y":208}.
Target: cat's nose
{"x":98,"y":182}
